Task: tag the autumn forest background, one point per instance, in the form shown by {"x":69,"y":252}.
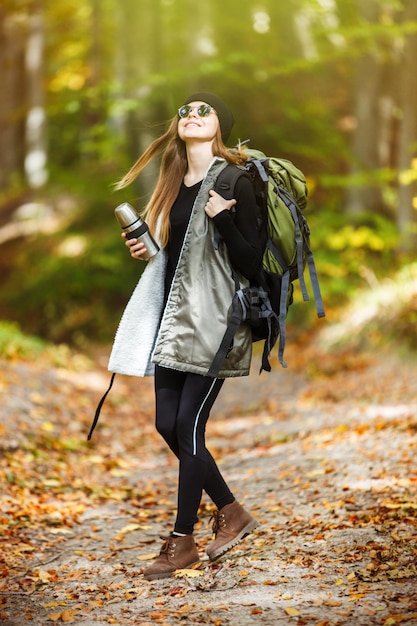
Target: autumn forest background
{"x":329,"y":84}
{"x":323,"y":452}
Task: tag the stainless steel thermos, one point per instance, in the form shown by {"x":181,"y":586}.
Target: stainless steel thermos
{"x":135,"y":227}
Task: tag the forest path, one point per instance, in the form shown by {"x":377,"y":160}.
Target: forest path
{"x":326,"y":463}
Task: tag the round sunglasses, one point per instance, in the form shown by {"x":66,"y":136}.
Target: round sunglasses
{"x":203,"y":110}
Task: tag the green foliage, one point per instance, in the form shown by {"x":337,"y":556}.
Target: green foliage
{"x":71,"y":285}
{"x":15,"y":344}
{"x":384,"y":314}
{"x":350,"y":256}
{"x":71,"y":299}
{"x":348,"y":253}
{"x":115,"y":70}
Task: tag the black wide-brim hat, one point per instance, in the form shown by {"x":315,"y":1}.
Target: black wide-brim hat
{"x":226,"y":119}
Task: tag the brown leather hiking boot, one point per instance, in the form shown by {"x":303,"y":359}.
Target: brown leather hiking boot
{"x":176,"y":553}
{"x":231,"y":524}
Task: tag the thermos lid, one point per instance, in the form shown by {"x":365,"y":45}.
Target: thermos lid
{"x":126,"y":215}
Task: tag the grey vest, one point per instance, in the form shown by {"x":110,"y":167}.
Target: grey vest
{"x":196,"y":314}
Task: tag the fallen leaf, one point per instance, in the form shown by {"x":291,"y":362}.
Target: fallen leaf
{"x":67,"y":615}
{"x":291,"y":611}
{"x":178,"y":592}
{"x":130,"y":528}
{"x":147,"y":557}
{"x":44,"y":576}
{"x":187,"y":573}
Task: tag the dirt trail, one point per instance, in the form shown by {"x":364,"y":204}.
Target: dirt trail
{"x":327,"y":465}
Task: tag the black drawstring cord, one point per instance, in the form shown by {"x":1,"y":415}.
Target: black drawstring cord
{"x":100,"y":404}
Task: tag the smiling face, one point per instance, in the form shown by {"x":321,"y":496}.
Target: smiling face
{"x":194,"y":127}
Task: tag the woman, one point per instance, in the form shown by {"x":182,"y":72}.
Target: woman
{"x":176,"y":318}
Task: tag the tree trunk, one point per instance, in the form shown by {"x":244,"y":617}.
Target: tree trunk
{"x":364,"y":194}
{"x":137,"y":41}
{"x":36,"y":155}
{"x":407,"y":193}
{"x":12,"y":100}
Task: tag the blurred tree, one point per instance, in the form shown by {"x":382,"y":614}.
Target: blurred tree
{"x":329,"y":84}
{"x":365,"y":192}
{"x":13,"y":31}
{"x":36,"y":140}
{"x":137,"y":52}
{"x":407,"y":160}
{"x":383,"y":36}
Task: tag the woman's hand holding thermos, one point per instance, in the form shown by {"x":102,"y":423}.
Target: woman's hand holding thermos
{"x":136,"y":233}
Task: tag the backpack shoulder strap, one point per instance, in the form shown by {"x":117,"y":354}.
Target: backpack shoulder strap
{"x":225,"y":186}
{"x":227,"y":179}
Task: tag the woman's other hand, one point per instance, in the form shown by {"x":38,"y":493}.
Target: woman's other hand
{"x":217,"y":204}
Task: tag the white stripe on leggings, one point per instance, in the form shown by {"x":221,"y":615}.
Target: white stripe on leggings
{"x":198,"y":417}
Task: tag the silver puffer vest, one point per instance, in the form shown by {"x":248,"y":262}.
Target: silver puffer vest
{"x":195,"y":317}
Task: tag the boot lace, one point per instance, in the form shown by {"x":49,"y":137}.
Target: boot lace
{"x":168,"y":547}
{"x":219,"y":521}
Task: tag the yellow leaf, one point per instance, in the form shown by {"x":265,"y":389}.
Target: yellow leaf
{"x":37,"y":398}
{"x":67,"y":615}
{"x":356,"y":596}
{"x":119,"y":473}
{"x":291,"y":611}
{"x":82,"y":553}
{"x":91,"y":588}
{"x":317,"y":472}
{"x":389,"y":622}
{"x":48,"y":427}
{"x":51,"y":482}
{"x":403,"y":482}
{"x":147,"y":557}
{"x":54,"y":617}
{"x":400,"y":505}
{"x":187,"y":573}
{"x":332,"y":603}
{"x":95,"y":604}
{"x":130,"y":528}
{"x":339,"y":581}
{"x":394,"y":573}
{"x":44,"y":576}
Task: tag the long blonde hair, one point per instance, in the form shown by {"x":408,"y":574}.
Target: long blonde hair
{"x":171,"y":174}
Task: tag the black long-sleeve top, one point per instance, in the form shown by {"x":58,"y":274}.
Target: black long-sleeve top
{"x":239,"y":229}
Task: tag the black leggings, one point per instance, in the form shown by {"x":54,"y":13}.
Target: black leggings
{"x":183,"y":404}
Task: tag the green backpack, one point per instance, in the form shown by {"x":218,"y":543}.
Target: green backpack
{"x":281,"y":196}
